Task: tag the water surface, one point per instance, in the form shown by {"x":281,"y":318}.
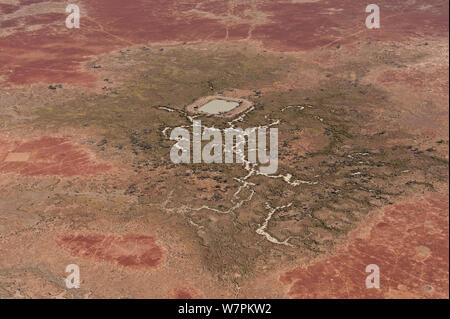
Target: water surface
{"x":218,"y":106}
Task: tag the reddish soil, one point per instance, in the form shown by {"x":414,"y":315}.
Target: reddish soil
{"x":39,"y":48}
{"x":129,"y":250}
{"x":183,"y":293}
{"x":47,"y":156}
{"x":410,"y":244}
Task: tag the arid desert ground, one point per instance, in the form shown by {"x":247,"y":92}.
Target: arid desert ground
{"x":86,"y":177}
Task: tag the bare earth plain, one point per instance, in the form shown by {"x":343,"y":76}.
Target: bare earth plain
{"x":86,"y":177}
